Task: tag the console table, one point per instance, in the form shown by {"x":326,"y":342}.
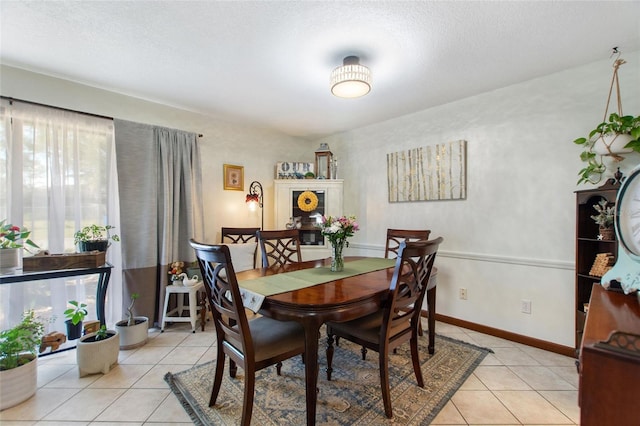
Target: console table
{"x":104,"y":273}
{"x":609,"y":363}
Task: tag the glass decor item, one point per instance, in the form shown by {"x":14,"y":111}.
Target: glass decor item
{"x":337,"y":260}
{"x":337,"y":230}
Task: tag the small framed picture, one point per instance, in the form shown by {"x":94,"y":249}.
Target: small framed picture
{"x":233,"y":177}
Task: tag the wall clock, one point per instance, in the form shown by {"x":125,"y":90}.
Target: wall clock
{"x":627,"y":223}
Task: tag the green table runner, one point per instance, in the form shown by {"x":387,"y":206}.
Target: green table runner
{"x":289,"y":281}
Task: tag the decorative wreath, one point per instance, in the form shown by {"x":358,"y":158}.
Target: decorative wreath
{"x":308,"y":201}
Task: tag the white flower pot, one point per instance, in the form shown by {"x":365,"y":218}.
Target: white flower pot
{"x":615,"y":143}
{"x":135,"y":335}
{"x":97,"y":357}
{"x":10,"y":261}
{"x":18,"y":384}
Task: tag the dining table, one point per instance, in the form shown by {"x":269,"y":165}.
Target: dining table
{"x":360,"y":289}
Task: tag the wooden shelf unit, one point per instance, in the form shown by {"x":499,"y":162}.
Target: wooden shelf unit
{"x":588,"y":246}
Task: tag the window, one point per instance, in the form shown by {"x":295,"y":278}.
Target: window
{"x":57,"y":174}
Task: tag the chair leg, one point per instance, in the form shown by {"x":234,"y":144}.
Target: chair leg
{"x":364,"y":353}
{"x":217,"y":379}
{"x":415,"y":357}
{"x":203,"y":311}
{"x":247,"y":404}
{"x":329,"y":356}
{"x":279,"y":368}
{"x":233,"y":368}
{"x":384,"y":381}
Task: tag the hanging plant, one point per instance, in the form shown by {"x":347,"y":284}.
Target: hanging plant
{"x":617,"y":134}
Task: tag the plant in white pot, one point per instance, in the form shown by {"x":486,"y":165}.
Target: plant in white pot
{"x":97,"y":352}
{"x":134,"y":331}
{"x":18,"y":360}
{"x":75,"y":315}
{"x":13,"y":239}
{"x":94,"y":237}
{"x":617,"y":134}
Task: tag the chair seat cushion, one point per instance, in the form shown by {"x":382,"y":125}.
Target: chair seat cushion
{"x":271,"y":337}
{"x":366,"y":328}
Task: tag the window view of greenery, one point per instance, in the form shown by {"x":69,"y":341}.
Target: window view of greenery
{"x":55,"y":170}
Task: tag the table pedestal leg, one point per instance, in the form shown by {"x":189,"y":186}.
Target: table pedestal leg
{"x":311,"y":330}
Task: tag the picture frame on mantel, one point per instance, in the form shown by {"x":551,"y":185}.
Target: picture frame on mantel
{"x":233,"y":177}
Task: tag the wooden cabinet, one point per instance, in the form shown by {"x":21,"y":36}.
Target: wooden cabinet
{"x":329,"y":193}
{"x":609,"y":364}
{"x":588,"y":246}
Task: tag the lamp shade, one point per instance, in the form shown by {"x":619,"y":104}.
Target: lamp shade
{"x":351,"y":80}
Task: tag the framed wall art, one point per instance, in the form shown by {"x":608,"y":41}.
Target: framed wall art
{"x":233,"y":177}
{"x":435,"y":172}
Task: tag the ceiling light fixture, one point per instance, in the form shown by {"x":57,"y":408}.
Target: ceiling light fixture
{"x":351,"y":80}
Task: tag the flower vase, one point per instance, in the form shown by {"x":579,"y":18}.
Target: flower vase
{"x":337,"y":261}
{"x":10,"y":261}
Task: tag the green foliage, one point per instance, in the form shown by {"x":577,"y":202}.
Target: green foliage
{"x":605,"y":215}
{"x":77,"y":313}
{"x":13,"y":236}
{"x":20,"y":340}
{"x":616,"y":125}
{"x":95,"y":232}
{"x":101,"y":334}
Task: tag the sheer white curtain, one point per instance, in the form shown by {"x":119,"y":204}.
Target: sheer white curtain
{"x":57,"y":174}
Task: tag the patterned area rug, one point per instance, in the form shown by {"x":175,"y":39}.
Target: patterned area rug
{"x":352,"y":397}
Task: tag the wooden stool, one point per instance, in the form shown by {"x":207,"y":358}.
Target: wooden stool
{"x":193,"y":307}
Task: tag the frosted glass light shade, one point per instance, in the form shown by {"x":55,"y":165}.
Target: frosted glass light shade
{"x":351,"y":80}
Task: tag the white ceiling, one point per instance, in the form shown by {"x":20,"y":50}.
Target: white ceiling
{"x":268,"y":62}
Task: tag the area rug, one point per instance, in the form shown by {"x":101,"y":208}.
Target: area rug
{"x":352,"y":397}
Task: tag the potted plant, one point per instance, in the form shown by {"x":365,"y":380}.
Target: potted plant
{"x":134,"y":330}
{"x":97,"y":352}
{"x":618,"y":135}
{"x":604,"y":219}
{"x":75,"y":315}
{"x":94,"y":237}
{"x":18,"y":360}
{"x":12,"y":240}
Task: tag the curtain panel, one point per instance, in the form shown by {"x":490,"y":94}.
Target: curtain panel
{"x":57,"y":175}
{"x":160,"y":206}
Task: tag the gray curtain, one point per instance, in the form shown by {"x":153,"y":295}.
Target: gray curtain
{"x":160,"y":185}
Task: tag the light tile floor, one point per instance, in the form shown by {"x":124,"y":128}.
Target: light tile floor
{"x":516,"y":385}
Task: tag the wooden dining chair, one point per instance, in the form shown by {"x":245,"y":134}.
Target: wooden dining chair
{"x":396,"y":236}
{"x":239,"y":235}
{"x":397,"y":321}
{"x":279,"y":248}
{"x":253,"y":345}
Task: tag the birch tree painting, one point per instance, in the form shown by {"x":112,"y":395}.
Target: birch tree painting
{"x":435,"y":172}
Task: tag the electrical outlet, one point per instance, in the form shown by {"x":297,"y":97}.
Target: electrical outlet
{"x":525,"y":306}
{"x":463,"y":293}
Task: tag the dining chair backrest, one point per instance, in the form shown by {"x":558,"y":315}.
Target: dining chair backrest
{"x":396,"y":236}
{"x":223,"y":294}
{"x":279,"y":248}
{"x":409,"y":284}
{"x":239,"y":235}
